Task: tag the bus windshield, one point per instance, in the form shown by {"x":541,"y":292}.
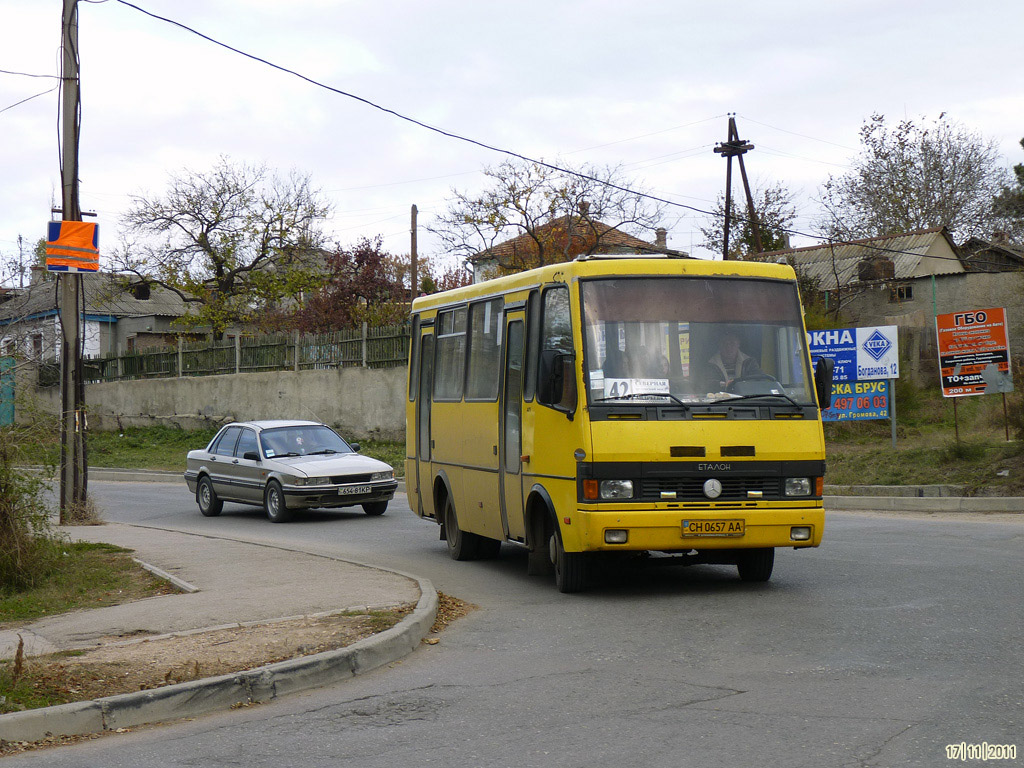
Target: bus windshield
{"x":694,"y":340}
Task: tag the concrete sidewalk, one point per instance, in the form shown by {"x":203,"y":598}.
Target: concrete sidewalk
{"x":227,"y":583}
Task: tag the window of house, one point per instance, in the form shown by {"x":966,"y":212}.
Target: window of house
{"x":903,"y":292}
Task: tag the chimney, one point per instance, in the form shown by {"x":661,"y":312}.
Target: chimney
{"x":38,"y":274}
{"x":661,"y":237}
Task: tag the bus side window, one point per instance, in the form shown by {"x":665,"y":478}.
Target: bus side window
{"x":532,"y":346}
{"x":556,"y":382}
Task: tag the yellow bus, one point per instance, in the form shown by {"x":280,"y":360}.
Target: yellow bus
{"x":619,"y":405}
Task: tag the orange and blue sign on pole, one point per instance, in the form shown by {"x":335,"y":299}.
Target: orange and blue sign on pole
{"x":73,"y":246}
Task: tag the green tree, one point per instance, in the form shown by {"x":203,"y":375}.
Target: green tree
{"x":915,"y":176}
{"x":231,"y":241}
{"x":775,"y":213}
{"x":1008,"y":205}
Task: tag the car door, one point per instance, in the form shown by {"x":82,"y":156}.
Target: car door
{"x":247,"y":472}
{"x":222,"y":469}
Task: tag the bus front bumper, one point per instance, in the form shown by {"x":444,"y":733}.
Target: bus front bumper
{"x":702,"y":528}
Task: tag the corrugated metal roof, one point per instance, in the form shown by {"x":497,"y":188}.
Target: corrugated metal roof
{"x":825,"y":263}
{"x":105,"y":294}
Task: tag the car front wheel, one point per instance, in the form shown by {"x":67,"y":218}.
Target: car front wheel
{"x":273,"y":503}
{"x":375,"y":508}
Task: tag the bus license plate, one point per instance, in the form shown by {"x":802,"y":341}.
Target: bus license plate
{"x":712,"y":528}
{"x":353,"y":490}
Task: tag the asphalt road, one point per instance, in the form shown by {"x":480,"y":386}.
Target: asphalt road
{"x":899,"y":636}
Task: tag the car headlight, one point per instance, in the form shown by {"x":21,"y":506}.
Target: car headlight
{"x":616,"y":489}
{"x":312,"y":480}
{"x":389,"y":475}
{"x":798,"y":486}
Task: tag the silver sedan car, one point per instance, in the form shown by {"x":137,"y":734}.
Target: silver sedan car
{"x":284,"y":466}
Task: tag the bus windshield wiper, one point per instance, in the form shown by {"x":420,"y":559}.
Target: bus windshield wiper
{"x":645,"y":396}
{"x":762,"y":394}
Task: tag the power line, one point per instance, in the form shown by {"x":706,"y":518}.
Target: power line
{"x":794,"y":133}
{"x":19,"y":103}
{"x":500,"y":150}
{"x":27,"y":74}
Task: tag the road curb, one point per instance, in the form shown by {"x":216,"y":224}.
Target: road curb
{"x":198,"y":697}
{"x":976,"y":505}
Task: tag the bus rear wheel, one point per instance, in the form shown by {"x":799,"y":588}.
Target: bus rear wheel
{"x":756,"y":564}
{"x":570,"y":567}
{"x":462,"y":545}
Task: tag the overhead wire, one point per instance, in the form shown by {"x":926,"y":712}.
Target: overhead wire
{"x":36,"y":96}
{"x":510,"y":153}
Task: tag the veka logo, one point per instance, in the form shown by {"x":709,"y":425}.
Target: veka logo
{"x":877,"y":345}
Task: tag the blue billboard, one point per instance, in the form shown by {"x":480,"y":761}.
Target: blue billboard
{"x":860,"y":354}
{"x":858,"y":401}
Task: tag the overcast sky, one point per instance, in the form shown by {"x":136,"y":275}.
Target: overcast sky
{"x":646,"y":84}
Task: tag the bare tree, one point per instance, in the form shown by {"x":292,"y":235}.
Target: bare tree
{"x":776,"y":211}
{"x":230,"y":241}
{"x":558,"y":215}
{"x":915,"y":176}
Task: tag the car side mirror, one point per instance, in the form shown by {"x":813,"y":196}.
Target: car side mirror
{"x":355,"y":447}
{"x":251,"y":456}
{"x":823,"y":370}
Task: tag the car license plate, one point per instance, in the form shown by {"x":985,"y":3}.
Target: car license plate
{"x":713,"y":528}
{"x":353,"y":490}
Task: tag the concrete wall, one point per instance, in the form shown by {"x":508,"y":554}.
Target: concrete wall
{"x":361,"y":402}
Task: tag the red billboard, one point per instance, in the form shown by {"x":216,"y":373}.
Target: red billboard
{"x":974,"y":352}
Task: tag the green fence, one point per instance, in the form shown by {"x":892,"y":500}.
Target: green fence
{"x":383,"y":347}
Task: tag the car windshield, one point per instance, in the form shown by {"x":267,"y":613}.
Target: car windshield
{"x":694,"y":340}
{"x":302,"y":440}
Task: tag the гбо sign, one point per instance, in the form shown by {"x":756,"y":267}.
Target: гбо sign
{"x":974,"y":352}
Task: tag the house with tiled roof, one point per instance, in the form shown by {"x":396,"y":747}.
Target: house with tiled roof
{"x":564,"y":239}
{"x":118,"y":317}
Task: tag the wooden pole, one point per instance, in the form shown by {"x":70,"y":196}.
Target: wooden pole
{"x":72,"y":453}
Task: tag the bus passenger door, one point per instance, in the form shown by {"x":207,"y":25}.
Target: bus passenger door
{"x":510,"y":441}
{"x":423,"y":437}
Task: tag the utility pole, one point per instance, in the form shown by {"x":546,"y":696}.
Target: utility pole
{"x":413,"y":291}
{"x":72,"y":425}
{"x":732,"y":147}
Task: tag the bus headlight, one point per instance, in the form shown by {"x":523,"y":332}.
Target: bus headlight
{"x":616,"y":489}
{"x":798,"y":486}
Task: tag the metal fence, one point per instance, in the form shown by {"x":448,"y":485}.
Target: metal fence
{"x":381,"y":347}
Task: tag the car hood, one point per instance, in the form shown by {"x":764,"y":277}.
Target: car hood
{"x":336,"y":464}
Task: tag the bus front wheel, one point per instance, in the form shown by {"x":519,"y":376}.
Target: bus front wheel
{"x":756,"y":564}
{"x":461,"y":544}
{"x":570,"y":567}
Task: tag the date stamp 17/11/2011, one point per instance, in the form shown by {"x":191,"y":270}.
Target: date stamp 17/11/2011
{"x":983,"y":751}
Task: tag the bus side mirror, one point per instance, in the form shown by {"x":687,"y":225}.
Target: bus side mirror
{"x":555,"y":386}
{"x":823,"y":381}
